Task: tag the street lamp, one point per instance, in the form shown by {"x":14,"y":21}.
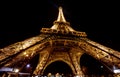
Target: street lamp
{"x":116,"y":70}
{"x":16,"y":70}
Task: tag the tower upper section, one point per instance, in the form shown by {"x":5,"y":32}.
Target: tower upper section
{"x":61,"y":26}
{"x":61,"y":23}
{"x":61,"y":17}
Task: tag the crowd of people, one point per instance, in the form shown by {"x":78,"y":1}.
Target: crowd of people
{"x":56,"y":75}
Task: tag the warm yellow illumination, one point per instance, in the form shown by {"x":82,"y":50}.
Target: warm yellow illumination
{"x":16,"y":70}
{"x":24,"y":53}
{"x":60,"y":15}
{"x":27,"y":55}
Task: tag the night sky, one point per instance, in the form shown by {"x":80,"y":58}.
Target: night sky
{"x":22,"y":20}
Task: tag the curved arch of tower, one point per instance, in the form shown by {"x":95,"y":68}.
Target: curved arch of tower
{"x":58,"y":43}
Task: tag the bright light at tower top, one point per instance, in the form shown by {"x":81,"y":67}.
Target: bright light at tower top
{"x":60,"y":15}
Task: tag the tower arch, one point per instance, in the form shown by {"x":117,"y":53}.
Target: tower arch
{"x":60,"y":42}
{"x":90,"y":66}
{"x":60,"y":67}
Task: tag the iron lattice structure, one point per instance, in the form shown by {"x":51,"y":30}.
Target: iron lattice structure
{"x":60,"y":42}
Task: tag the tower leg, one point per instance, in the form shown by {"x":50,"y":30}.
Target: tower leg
{"x":41,"y":64}
{"x":116,"y":75}
{"x":76,"y":65}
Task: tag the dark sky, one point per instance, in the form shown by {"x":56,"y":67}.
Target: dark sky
{"x":22,"y":20}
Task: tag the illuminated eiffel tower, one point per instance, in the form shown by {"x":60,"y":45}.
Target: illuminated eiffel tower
{"x":58,"y":43}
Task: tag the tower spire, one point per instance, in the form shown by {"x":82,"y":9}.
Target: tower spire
{"x":61,"y":26}
{"x":61,"y":17}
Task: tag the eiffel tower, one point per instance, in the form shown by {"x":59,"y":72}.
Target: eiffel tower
{"x":60,"y":43}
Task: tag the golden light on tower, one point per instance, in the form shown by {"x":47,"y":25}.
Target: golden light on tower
{"x":58,"y":43}
{"x":61,"y":16}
